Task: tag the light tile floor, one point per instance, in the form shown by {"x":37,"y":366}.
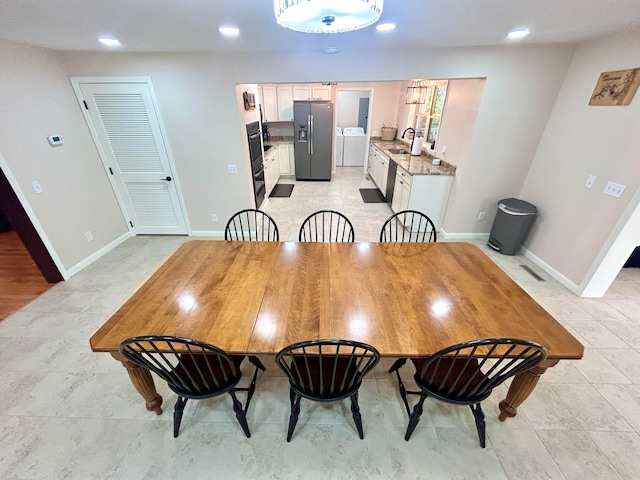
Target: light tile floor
{"x":66,"y":412}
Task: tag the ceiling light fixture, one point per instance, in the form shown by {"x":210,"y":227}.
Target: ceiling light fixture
{"x":109,"y":41}
{"x":330,"y":50}
{"x":518,"y":33}
{"x":327,"y":16}
{"x":385,"y":27}
{"x":229,"y":31}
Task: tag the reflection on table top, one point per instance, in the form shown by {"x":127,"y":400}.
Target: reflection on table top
{"x":404,"y":299}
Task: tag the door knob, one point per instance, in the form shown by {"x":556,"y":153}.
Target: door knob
{"x":168,"y":179}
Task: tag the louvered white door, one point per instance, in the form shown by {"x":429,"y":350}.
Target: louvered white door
{"x":127,"y":131}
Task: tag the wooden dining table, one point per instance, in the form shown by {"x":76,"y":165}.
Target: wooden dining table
{"x":405,"y":299}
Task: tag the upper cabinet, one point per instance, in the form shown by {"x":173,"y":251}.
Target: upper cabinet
{"x":277,"y":100}
{"x":301,"y":92}
{"x":311,"y":91}
{"x":285,"y":104}
{"x":322,"y":92}
{"x":269,"y":103}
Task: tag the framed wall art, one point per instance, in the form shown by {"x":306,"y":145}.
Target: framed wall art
{"x":616,"y":88}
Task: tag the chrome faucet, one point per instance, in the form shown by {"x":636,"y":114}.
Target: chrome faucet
{"x":413,"y":139}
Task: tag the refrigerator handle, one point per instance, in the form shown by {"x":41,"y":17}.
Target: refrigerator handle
{"x":310,"y":130}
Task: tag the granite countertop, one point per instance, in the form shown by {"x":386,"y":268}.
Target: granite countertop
{"x":275,"y":140}
{"x":413,"y":164}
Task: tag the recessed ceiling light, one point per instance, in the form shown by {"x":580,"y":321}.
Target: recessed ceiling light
{"x":109,"y":41}
{"x":518,"y":33}
{"x":330,"y":50}
{"x":385,"y":27}
{"x":229,"y":31}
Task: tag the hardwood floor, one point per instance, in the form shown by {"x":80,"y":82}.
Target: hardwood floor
{"x":20,"y":279}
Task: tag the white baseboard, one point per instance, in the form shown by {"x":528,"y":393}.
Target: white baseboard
{"x":552,"y":271}
{"x":214,"y":234}
{"x":463,"y":236}
{"x":96,"y":255}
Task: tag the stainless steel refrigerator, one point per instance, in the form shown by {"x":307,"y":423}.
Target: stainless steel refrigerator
{"x":313,"y":139}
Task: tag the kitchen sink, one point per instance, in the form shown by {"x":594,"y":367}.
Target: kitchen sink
{"x":397,"y":151}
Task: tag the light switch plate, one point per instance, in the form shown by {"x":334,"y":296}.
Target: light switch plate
{"x":614,"y":189}
{"x":590,"y":181}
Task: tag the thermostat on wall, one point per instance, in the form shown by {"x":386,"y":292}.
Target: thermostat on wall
{"x":55,"y":140}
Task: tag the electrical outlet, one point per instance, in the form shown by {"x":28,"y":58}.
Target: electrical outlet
{"x":36,"y":186}
{"x":444,"y":151}
{"x":590,"y":180}
{"x":232,"y":169}
{"x":214,"y":218}
{"x":614,"y":189}
{"x":481,"y":216}
{"x":88,"y":235}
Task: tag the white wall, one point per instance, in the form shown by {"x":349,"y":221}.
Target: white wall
{"x":348,"y":106}
{"x":384,"y":103}
{"x":204,"y":121}
{"x":37,"y":101}
{"x":581,"y":140}
{"x":248,"y":116}
{"x":197,"y":99}
{"x":458,"y":123}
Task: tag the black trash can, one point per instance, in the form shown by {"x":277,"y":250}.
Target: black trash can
{"x":512,"y":222}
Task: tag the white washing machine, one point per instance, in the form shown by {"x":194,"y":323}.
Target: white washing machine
{"x":354,"y":146}
{"x":339,"y":143}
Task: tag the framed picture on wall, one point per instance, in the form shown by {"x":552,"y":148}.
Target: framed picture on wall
{"x":616,"y":88}
{"x":249,"y":100}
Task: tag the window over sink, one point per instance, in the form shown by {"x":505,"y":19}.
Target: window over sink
{"x":428,"y":115}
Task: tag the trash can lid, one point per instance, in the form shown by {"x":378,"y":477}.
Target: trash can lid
{"x":518,"y":206}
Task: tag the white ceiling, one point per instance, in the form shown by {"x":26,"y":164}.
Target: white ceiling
{"x":192,"y":25}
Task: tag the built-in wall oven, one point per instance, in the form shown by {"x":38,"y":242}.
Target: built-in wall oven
{"x":257,"y":168}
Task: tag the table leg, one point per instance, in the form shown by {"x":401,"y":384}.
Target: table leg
{"x":521,"y":387}
{"x":143,"y":382}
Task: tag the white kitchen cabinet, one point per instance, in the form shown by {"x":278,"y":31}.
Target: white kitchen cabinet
{"x":301,"y":92}
{"x":306,"y":92}
{"x":401,"y":191}
{"x":266,"y":165}
{"x":371,"y":161}
{"x":277,"y":103}
{"x":378,"y":167}
{"x":292,"y":160}
{"x":430,"y":194}
{"x":284,"y":161}
{"x":269,"y":103}
{"x":271,"y":171}
{"x":285,"y":104}
{"x":322,"y":92}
